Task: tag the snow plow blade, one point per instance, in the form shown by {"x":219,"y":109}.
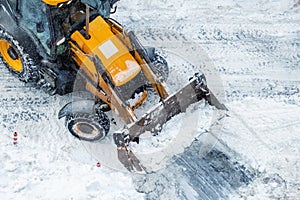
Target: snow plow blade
{"x":154,"y":119}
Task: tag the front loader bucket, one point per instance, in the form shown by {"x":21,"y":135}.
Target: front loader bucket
{"x":154,"y":119}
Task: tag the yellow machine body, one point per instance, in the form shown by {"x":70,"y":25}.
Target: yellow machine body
{"x":54,"y":2}
{"x":114,"y":55}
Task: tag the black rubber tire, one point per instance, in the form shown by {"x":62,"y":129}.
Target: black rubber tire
{"x":97,"y":126}
{"x":29,"y":69}
{"x":160,"y":67}
{"x":98,"y":123}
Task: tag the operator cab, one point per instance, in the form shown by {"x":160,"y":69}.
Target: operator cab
{"x":53,"y":21}
{"x":33,"y":18}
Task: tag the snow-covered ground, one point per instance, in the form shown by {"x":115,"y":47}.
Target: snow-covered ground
{"x":250,"y":52}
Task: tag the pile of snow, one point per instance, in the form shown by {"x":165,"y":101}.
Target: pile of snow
{"x":254,"y":46}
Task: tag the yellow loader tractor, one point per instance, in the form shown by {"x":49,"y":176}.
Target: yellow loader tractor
{"x":53,"y":43}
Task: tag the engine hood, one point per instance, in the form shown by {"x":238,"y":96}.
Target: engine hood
{"x":103,"y":43}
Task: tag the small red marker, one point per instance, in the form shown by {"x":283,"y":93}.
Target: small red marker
{"x":98,"y":164}
{"x":15,"y":138}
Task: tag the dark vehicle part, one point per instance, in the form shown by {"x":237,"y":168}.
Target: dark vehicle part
{"x":160,"y":67}
{"x":88,"y":127}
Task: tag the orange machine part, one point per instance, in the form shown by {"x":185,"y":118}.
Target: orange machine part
{"x":115,"y":57}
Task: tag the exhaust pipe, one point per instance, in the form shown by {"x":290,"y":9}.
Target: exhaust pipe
{"x":87,"y":22}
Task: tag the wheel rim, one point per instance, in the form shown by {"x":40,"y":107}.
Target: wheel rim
{"x":87,"y":130}
{"x":10,"y":56}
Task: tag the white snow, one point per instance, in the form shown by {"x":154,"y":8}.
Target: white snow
{"x":42,"y":166}
{"x":249,"y":51}
{"x":269,"y":141}
{"x":177,"y":134}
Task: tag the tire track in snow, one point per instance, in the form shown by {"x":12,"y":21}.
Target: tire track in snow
{"x":213,"y":176}
{"x":247,"y":49}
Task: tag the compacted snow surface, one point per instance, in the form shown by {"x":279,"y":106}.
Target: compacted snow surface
{"x":250,"y":53}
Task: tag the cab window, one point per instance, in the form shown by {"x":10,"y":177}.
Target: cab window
{"x":34,"y":18}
